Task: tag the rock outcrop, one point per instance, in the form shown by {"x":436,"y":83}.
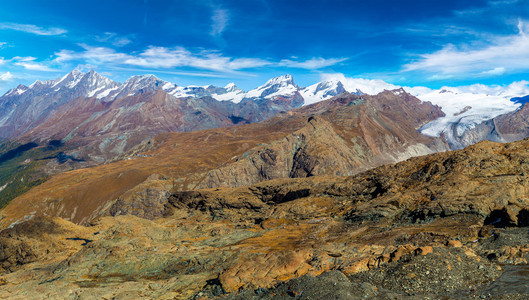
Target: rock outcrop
{"x":342,"y":137}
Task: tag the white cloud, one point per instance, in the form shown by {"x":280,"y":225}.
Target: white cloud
{"x":29,"y":63}
{"x":505,"y":53}
{"x":91,"y":54}
{"x":495,"y":71}
{"x":503,"y":2}
{"x":114,"y":39}
{"x":6,"y":76}
{"x":515,"y":89}
{"x":162,"y":57}
{"x":311,"y":64}
{"x":29,"y":28}
{"x":219,"y":21}
{"x":165,"y":58}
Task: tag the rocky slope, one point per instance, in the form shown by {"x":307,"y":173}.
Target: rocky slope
{"x":121,"y":117}
{"x":341,"y":136}
{"x":93,"y":120}
{"x":448,"y":223}
{"x":22,"y":108}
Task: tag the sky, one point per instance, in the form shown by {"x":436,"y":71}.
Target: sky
{"x":199,"y":42}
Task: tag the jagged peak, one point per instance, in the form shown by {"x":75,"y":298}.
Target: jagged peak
{"x":329,"y":84}
{"x":40,"y":82}
{"x":281,"y":80}
{"x":93,"y":73}
{"x":20,"y":89}
{"x":145,"y":80}
{"x":230,"y":86}
{"x":70,"y":79}
{"x":399,"y":91}
{"x":76,"y":72}
{"x":143,"y":77}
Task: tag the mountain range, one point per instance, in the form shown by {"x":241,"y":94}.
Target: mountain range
{"x":152,"y":190}
{"x":455,"y":220}
{"x":340,"y":136}
{"x":24,"y":108}
{"x":86,"y":119}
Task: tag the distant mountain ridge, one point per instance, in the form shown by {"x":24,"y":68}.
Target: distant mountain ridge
{"x":24,"y":108}
{"x":341,"y":136}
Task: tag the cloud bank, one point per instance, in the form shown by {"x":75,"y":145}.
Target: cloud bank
{"x":504,"y":54}
{"x":164,"y":58}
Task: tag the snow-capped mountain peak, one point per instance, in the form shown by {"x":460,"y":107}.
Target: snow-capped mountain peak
{"x":283,"y":80}
{"x":69,"y":80}
{"x":321,"y":91}
{"x":19,"y":90}
{"x":278,"y":86}
{"x":231,"y":87}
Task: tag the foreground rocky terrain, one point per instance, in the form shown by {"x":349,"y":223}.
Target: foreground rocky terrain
{"x":446,"y":225}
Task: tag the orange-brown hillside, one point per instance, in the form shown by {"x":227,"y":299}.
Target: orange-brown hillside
{"x":341,"y":136}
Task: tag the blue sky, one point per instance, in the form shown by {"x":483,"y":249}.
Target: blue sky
{"x":428,"y":43}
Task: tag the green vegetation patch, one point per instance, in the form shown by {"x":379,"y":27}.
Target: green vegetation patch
{"x":22,"y":168}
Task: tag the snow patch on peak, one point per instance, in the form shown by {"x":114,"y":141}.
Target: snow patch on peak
{"x":19,"y":90}
{"x":398,"y":92}
{"x":230,"y":87}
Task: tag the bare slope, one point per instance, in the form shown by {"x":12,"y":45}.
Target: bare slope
{"x":342,"y":136}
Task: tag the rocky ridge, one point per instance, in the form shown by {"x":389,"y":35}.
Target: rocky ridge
{"x":341,"y":136}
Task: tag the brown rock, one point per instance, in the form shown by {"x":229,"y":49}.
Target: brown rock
{"x":455,"y":244}
{"x":424,"y":250}
{"x":401,"y":251}
{"x":486,"y":231}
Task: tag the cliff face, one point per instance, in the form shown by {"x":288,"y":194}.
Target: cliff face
{"x":344,"y":136}
{"x":315,"y":149}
